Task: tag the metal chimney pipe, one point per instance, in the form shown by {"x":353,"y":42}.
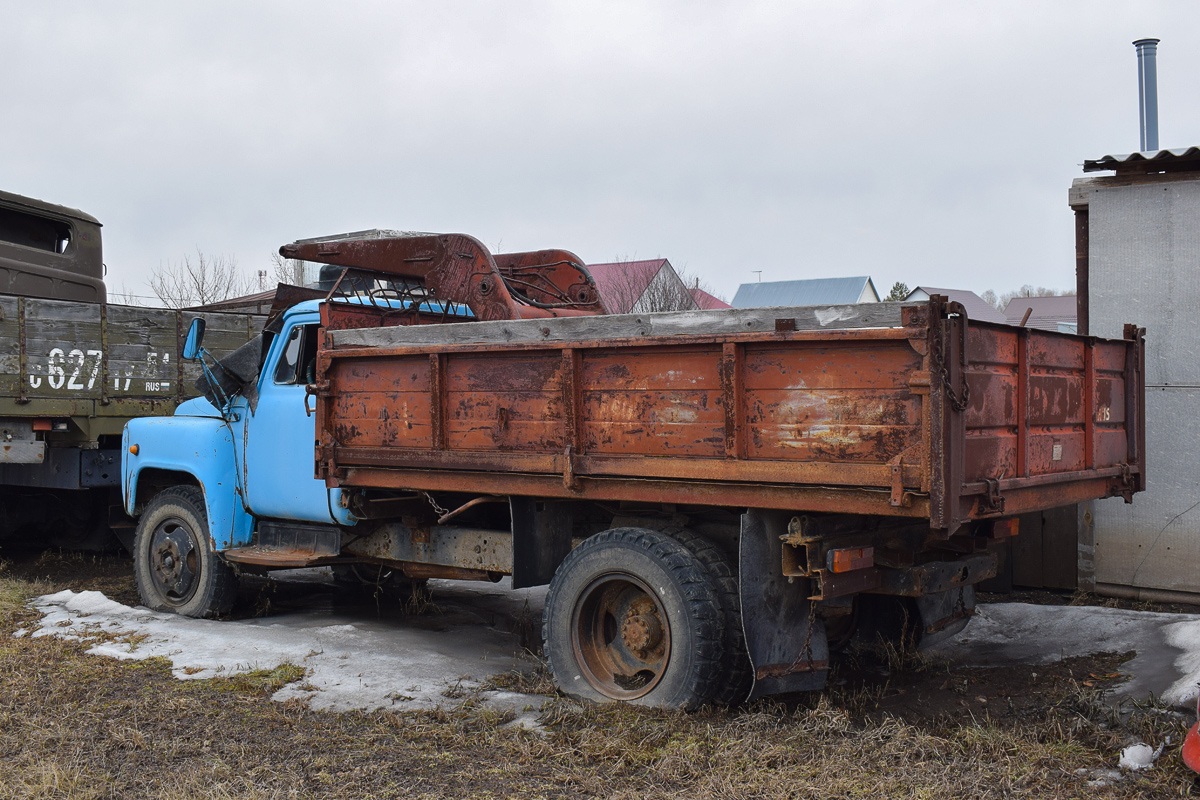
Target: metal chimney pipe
{"x":1147,"y":52}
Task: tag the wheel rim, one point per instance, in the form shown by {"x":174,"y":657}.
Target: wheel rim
{"x":621,"y":636}
{"x":174,"y":561}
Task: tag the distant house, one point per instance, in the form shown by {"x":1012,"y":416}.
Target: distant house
{"x":706,"y":301}
{"x":811,"y":292}
{"x":1048,"y":313}
{"x":629,"y":286}
{"x":976,"y":306}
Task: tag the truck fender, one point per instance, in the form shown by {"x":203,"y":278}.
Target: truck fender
{"x":210,"y":459}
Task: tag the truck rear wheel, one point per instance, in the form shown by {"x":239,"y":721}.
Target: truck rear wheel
{"x":173,"y":561}
{"x":737,"y":675}
{"x":633,"y":616}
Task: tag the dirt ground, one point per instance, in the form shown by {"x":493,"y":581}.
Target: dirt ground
{"x":890,"y":725}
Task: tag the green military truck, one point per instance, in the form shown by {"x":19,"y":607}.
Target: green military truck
{"x":73,"y":369}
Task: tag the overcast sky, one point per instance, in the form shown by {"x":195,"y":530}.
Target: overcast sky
{"x":928,"y":142}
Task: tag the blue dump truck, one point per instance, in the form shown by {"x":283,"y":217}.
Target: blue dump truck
{"x":717,"y":499}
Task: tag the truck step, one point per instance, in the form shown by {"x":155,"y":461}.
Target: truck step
{"x":289,"y":544}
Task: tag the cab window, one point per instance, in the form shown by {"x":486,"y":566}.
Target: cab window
{"x":298,"y":361}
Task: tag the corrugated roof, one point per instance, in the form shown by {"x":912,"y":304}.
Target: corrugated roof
{"x":976,"y":306}
{"x":1048,"y":312}
{"x":706,"y":301}
{"x":811,"y":292}
{"x":1145,"y":162}
{"x":257,"y":303}
{"x":621,"y":283}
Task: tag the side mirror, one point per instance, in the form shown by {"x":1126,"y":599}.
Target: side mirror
{"x":195,"y":336}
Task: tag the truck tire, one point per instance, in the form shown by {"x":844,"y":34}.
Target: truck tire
{"x":737,"y":677}
{"x":384,"y":583}
{"x":633,"y":616}
{"x":173,"y":561}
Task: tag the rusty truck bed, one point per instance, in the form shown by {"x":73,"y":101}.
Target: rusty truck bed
{"x":887,"y":409}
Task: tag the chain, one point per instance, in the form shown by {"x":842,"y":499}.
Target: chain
{"x":957,"y":402}
{"x":805,"y":655}
{"x":441,"y":511}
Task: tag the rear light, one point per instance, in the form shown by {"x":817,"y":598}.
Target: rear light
{"x":1003,"y":528}
{"x":848,"y":559}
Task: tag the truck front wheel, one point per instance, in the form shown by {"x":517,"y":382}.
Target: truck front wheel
{"x":632,"y":616}
{"x":173,"y":561}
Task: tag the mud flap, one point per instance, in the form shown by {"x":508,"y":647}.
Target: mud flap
{"x":786,"y":641}
{"x":945,"y":613}
{"x":541,"y":539}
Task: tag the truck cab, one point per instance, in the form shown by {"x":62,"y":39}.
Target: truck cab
{"x":216,"y":482}
{"x":228,"y":483}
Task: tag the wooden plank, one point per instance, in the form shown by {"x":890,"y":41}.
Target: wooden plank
{"x":88,"y":352}
{"x":628,"y":326}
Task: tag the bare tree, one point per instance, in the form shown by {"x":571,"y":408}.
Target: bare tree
{"x":695,"y":283}
{"x":990,"y":298}
{"x":123,"y":297}
{"x":199,"y":281}
{"x":286,"y":270}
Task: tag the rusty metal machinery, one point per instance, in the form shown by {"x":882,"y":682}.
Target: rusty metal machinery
{"x":438,"y":271}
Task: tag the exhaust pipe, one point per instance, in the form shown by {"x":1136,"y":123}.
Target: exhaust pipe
{"x":1147,"y":53}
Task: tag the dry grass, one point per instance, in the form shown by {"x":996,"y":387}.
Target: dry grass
{"x":80,"y":726}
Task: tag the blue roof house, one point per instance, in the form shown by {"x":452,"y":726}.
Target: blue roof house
{"x":811,"y":292}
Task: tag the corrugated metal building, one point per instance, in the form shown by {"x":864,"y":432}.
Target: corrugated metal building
{"x":811,"y":292}
{"x":1138,"y":256}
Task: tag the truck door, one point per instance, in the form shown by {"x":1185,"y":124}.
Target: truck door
{"x":279,"y":435}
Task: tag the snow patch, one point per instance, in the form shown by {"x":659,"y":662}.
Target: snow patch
{"x":1167,"y":645}
{"x":351,"y":663}
{"x":1139,"y":756}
